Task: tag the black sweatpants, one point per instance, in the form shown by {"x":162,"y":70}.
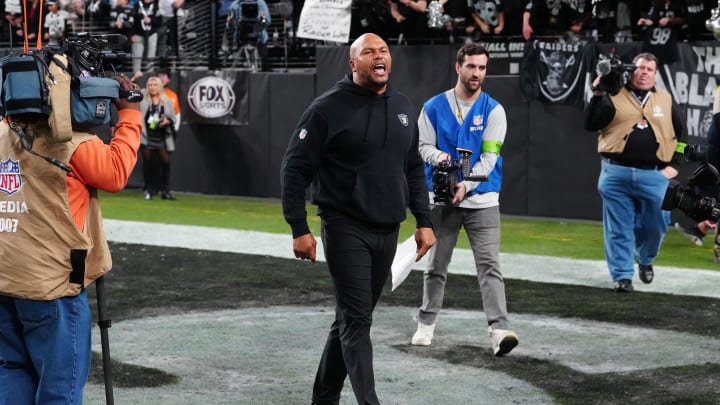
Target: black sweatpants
{"x":359,"y":259}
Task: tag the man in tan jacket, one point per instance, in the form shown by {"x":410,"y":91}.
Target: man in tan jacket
{"x":640,"y":146}
{"x":53,"y":246}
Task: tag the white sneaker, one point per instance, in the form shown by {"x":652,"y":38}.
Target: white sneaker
{"x":423,"y":335}
{"x":502,"y":340}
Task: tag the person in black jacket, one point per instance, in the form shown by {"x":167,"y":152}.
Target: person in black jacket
{"x":358,"y":145}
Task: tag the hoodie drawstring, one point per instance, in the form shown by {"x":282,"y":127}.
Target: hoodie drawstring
{"x":386,"y":120}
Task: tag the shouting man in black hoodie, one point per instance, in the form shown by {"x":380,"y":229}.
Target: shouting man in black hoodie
{"x":358,"y":145}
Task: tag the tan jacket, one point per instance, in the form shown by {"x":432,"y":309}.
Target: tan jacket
{"x":628,"y":113}
{"x":38,"y":238}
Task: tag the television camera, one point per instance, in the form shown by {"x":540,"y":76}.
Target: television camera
{"x":613,"y":73}
{"x":62,"y":85}
{"x":696,"y":199}
{"x":26,"y":79}
{"x":250,"y":23}
{"x":447,"y":174}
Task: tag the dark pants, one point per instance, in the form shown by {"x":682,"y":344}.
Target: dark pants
{"x":156,"y":170}
{"x":359,"y":259}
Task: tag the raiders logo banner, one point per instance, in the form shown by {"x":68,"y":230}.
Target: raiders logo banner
{"x":555,"y":71}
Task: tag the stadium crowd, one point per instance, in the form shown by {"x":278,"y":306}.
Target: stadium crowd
{"x":417,"y":21}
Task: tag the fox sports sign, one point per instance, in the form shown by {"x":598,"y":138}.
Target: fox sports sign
{"x":211,"y":97}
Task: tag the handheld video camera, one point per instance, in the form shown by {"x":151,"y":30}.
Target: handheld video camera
{"x":447,"y":174}
{"x":613,"y":73}
{"x":444,"y":179}
{"x":693,"y":199}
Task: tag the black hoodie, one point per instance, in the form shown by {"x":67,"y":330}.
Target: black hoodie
{"x":360,"y":152}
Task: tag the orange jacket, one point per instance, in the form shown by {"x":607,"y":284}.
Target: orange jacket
{"x":106,"y":167}
{"x":176,"y":101}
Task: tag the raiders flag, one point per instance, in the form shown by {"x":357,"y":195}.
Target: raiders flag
{"x":555,"y":71}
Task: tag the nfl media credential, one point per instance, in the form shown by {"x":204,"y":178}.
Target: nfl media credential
{"x":211,"y":97}
{"x":10,"y":183}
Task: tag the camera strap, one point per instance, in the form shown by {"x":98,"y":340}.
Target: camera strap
{"x":38,"y":44}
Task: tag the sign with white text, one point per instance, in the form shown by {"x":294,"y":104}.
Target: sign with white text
{"x":325,"y":20}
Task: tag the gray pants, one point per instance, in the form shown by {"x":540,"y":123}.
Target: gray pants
{"x":483,"y":229}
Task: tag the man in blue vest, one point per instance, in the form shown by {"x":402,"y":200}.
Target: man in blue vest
{"x":466,"y":119}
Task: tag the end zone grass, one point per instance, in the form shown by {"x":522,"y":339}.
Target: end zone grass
{"x":549,"y":237}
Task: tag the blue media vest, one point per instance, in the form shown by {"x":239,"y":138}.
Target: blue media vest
{"x":451,"y":135}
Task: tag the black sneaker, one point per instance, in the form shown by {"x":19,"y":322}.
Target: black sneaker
{"x":691,"y":232}
{"x":646,"y":273}
{"x":624,"y":286}
{"x":165,"y":195}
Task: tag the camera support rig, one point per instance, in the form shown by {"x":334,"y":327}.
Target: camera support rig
{"x":465,"y":165}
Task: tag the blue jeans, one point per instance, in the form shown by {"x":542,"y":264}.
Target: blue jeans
{"x":44,"y":350}
{"x":634,"y":223}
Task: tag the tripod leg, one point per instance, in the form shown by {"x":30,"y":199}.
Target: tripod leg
{"x":104,"y":324}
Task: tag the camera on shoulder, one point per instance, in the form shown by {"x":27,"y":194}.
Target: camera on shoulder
{"x":613,"y":73}
{"x":66,"y":80}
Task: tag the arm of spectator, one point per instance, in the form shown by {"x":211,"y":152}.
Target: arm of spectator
{"x":527,"y":30}
{"x":645,"y":22}
{"x":418,"y":6}
{"x":480,"y":23}
{"x":501,"y":23}
{"x":395,"y":13}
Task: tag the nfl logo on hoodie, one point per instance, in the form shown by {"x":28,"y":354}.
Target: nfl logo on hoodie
{"x":10,"y":180}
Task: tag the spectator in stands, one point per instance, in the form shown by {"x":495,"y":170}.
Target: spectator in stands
{"x":458,"y":15}
{"x":56,"y":23}
{"x":122,"y":19}
{"x":602,"y":20}
{"x":158,"y":139}
{"x":409,"y":20}
{"x":14,"y":18}
{"x":551,"y":18}
{"x":488,"y":19}
{"x":167,"y":41}
{"x":662,"y":28}
{"x":367,"y":16}
{"x":144,"y":39}
{"x":33,"y":21}
{"x":696,"y":13}
{"x":76,"y":10}
{"x":624,"y":25}
{"x":96,"y":16}
{"x":251,"y":28}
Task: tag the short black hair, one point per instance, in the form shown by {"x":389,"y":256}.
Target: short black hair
{"x":471,"y":49}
